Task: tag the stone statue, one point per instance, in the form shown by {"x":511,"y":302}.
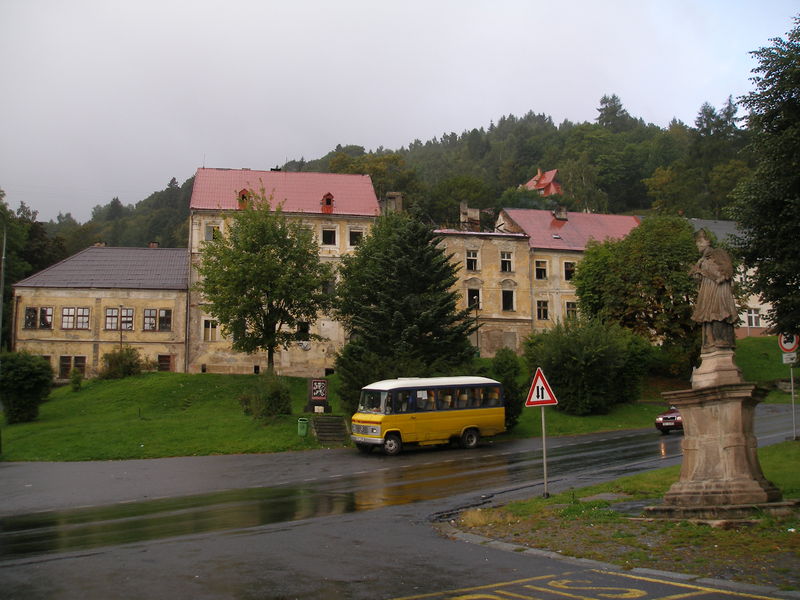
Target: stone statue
{"x":715,"y":307}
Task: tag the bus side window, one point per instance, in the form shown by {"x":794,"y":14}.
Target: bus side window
{"x":463,"y":400}
{"x":494,"y":396}
{"x":401,"y":401}
{"x":446,"y":399}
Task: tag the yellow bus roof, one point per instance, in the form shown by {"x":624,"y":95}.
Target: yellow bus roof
{"x":423,"y":382}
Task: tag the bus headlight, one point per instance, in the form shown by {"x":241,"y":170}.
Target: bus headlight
{"x":374,"y":430}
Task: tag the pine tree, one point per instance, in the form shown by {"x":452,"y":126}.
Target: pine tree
{"x":396,"y":300}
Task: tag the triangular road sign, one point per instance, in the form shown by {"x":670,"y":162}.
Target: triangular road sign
{"x":540,"y":393}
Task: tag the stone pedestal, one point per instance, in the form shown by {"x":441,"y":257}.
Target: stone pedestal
{"x":717,"y":367}
{"x":720,"y":460}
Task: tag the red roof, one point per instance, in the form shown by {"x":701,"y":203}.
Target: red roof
{"x":573,"y":233}
{"x":545,"y":183}
{"x":218,"y":189}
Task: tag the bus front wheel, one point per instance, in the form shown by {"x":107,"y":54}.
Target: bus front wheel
{"x":392,"y":444}
{"x":470,"y":438}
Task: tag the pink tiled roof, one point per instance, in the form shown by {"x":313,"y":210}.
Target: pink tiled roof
{"x":548,"y":233}
{"x":545,"y":182}
{"x":218,"y":189}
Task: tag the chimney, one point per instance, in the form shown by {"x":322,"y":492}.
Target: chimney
{"x":99,"y":244}
{"x":470,"y":217}
{"x":152,"y":245}
{"x":560,"y":213}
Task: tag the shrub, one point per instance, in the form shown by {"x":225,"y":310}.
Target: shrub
{"x":25,"y":382}
{"x":590,"y":365}
{"x":75,"y":380}
{"x":271,"y":397}
{"x":122,"y":363}
{"x":506,"y":369}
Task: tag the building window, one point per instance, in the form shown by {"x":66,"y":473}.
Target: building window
{"x":126,"y":319}
{"x":473,"y":298}
{"x":472,"y":260}
{"x":164,"y":362}
{"x":149,"y":321}
{"x":74,"y":318}
{"x":212,"y":232}
{"x":508,"y":299}
{"x":112,"y":318}
{"x":30,"y":317}
{"x":542,"y":312}
{"x":209,"y":330}
{"x":157,"y":319}
{"x":572,"y":310}
{"x":569,"y":270}
{"x":46,"y":317}
{"x":82,"y":318}
{"x":165,"y":319}
{"x":356,"y":237}
{"x":753,"y":317}
{"x":540,"y":269}
{"x":67,"y":363}
{"x":506,"y":266}
{"x":303,"y":331}
{"x":328,"y":237}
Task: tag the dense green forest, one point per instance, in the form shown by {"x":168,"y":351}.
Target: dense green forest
{"x":617,"y":164}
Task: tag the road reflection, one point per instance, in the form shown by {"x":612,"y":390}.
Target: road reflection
{"x":444,"y":474}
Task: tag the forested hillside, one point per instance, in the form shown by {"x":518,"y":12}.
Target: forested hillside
{"x":616,"y":164}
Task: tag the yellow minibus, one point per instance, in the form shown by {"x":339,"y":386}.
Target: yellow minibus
{"x":427,"y":411}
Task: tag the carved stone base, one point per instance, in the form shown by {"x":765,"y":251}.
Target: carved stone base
{"x":720,"y":459}
{"x":716,"y":368}
{"x":726,"y":512}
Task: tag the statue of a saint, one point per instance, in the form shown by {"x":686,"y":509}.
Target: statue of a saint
{"x":715,"y":307}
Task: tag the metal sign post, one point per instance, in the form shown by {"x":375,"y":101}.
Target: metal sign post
{"x":540,"y":394}
{"x":788,"y":344}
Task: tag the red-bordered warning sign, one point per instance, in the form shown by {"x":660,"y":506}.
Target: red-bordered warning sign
{"x":540,"y":393}
{"x":788,"y":342}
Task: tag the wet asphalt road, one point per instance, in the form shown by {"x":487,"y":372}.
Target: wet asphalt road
{"x":320,"y":524}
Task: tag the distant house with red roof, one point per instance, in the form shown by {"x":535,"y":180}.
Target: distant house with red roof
{"x":544,"y":183}
{"x":556,"y":241}
{"x":339,"y":208}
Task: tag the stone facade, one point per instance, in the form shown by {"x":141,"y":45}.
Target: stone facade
{"x":494,"y":280}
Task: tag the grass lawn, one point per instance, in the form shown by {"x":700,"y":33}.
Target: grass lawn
{"x":577,"y":523}
{"x":176,"y":414}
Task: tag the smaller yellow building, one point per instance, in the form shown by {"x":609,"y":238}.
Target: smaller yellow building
{"x":96,"y":301}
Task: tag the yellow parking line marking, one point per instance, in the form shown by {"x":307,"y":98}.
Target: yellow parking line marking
{"x":475,"y":589}
{"x":688,"y":585}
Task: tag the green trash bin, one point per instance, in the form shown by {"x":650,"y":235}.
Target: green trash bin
{"x":302,"y":427}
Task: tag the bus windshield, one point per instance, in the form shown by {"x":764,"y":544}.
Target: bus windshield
{"x":372,"y":401}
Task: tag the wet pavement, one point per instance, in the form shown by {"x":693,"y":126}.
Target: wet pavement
{"x":243,"y":521}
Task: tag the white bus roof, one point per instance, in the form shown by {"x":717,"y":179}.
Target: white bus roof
{"x":421,"y":382}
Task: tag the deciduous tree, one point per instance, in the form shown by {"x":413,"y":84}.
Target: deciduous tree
{"x":263,"y":279}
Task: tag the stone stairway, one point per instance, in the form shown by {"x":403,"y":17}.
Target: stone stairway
{"x":330,"y":429}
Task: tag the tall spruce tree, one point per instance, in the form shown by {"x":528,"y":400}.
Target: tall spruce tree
{"x":396,"y":299}
{"x":767,"y":206}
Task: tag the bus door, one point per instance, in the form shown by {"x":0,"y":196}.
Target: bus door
{"x":405,"y":402}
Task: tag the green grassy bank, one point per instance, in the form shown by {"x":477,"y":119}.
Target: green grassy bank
{"x":175,"y":414}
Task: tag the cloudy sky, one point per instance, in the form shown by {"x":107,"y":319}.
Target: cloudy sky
{"x":101,"y":98}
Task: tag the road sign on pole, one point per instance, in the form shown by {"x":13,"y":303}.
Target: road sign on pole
{"x":788,"y":342}
{"x":540,"y":393}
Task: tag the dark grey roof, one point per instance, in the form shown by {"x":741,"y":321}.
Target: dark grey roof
{"x":112,"y":268}
{"x":723,"y":230}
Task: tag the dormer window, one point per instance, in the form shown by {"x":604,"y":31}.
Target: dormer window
{"x":243,"y":197}
{"x":327,"y":203}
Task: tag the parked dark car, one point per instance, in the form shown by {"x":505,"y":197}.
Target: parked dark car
{"x":669,"y":421}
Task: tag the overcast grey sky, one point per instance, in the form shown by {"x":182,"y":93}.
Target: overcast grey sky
{"x":102,"y":98}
